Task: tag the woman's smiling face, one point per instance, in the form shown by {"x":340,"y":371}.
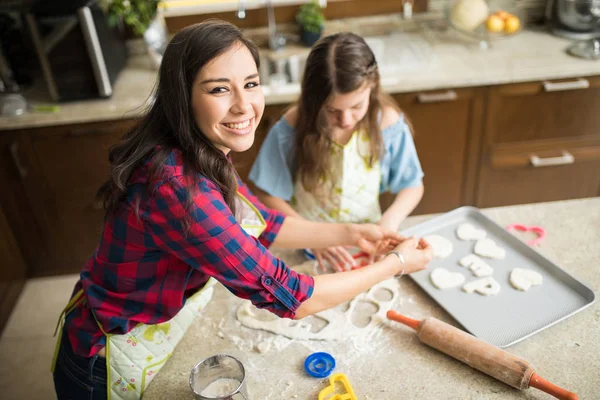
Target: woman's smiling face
{"x":227,"y":100}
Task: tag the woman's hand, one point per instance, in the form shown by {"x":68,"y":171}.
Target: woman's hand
{"x":371,"y":238}
{"x":416,"y":252}
{"x":338,"y":257}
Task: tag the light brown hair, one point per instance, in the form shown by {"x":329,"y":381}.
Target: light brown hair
{"x":337,"y":64}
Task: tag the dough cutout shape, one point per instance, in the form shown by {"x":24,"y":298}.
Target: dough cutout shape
{"x":469,"y":232}
{"x":523,"y":279}
{"x":444,"y":279}
{"x":486,"y":287}
{"x":478,"y":267}
{"x":338,"y":324}
{"x":442,"y":247}
{"x":488,"y":248}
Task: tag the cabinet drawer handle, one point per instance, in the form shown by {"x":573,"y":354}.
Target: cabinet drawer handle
{"x":572,"y":85}
{"x":449,"y":95}
{"x":566,"y":158}
{"x":14,"y":152}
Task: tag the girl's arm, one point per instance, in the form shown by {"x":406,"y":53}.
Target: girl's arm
{"x":298,"y":233}
{"x":405,"y":202}
{"x":333,"y":289}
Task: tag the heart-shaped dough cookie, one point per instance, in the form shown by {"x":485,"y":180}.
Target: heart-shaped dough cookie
{"x":444,"y":279}
{"x":442,"y":247}
{"x":486,"y":286}
{"x":489,"y":248}
{"x":469,"y":232}
{"x":523,"y":279}
{"x":480,"y":269}
{"x":476,"y":265}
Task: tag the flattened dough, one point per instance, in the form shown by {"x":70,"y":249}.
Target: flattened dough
{"x":488,"y":248}
{"x":469,"y":232}
{"x":523,"y":279}
{"x":486,"y":286}
{"x":442,"y":247}
{"x":444,"y":279}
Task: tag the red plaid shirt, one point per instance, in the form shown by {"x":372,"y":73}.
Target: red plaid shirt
{"x":143,"y":270}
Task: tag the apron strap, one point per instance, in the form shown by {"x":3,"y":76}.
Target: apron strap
{"x":76,"y":300}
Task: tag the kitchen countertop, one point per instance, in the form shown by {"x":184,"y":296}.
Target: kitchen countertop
{"x":566,"y":354}
{"x":529,"y":56}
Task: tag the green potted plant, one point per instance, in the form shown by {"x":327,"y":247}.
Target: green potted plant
{"x":311,"y":20}
{"x":143,"y":18}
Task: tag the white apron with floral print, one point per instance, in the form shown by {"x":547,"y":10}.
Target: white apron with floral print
{"x":350,"y":193}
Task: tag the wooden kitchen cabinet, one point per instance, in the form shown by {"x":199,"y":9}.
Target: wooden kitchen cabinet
{"x":19,"y":233}
{"x":541,"y":143}
{"x":64,"y":167}
{"x":447,"y":129}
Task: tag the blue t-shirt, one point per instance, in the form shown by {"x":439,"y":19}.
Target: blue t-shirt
{"x":272,"y":170}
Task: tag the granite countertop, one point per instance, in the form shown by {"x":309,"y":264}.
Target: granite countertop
{"x":530,"y":56}
{"x":565,"y":354}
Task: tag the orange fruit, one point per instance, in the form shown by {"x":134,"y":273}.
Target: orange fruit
{"x":494,"y":24}
{"x":512,"y":24}
{"x":503,"y":14}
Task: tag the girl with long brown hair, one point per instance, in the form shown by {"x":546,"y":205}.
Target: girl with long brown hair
{"x":342,"y":144}
{"x":179,"y":219}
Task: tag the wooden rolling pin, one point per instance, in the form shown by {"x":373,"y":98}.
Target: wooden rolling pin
{"x":500,"y":364}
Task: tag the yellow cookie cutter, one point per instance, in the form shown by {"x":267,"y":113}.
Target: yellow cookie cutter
{"x":343,"y":380}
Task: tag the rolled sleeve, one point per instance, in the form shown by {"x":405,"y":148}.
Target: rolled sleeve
{"x":271,"y":171}
{"x":216,"y":245}
{"x":400,"y":167}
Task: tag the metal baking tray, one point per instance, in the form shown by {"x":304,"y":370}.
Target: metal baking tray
{"x":511,"y":315}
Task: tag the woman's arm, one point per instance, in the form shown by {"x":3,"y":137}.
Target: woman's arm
{"x":405,"y":202}
{"x":333,"y":289}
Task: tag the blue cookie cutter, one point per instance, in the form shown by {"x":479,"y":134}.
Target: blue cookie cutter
{"x":319,"y":365}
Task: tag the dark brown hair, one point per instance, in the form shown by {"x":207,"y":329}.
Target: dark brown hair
{"x":169,"y":123}
{"x":337,"y":64}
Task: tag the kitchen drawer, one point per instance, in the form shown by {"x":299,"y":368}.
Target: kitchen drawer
{"x":531,"y":173}
{"x":543,"y":110}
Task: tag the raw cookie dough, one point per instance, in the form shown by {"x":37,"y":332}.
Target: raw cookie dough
{"x":442,"y":247}
{"x":523,"y":279}
{"x":486,"y":286}
{"x":476,"y":265}
{"x":338,"y":324}
{"x":444,"y":279}
{"x":489,"y":248}
{"x":469,"y":232}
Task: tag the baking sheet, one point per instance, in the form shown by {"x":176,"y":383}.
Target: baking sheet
{"x":511,"y":315}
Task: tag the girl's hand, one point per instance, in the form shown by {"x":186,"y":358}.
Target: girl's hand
{"x":416,"y":252}
{"x":338,"y":257}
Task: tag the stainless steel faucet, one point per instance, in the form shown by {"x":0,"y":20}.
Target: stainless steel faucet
{"x":276,"y":39}
{"x":241,"y":12}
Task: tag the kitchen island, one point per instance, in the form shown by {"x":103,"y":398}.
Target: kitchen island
{"x":390,"y":362}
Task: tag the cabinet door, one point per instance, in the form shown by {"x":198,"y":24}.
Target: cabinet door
{"x":12,"y":273}
{"x":543,"y":110}
{"x":68,"y":164}
{"x":531,"y":173}
{"x":447,"y":129}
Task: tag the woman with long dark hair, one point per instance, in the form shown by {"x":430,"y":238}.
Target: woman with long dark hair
{"x":342,"y":144}
{"x":179,"y":219}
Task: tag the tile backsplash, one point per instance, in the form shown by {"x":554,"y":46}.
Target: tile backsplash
{"x":535,"y":8}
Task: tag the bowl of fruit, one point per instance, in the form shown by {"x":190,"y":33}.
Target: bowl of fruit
{"x":485,"y":20}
